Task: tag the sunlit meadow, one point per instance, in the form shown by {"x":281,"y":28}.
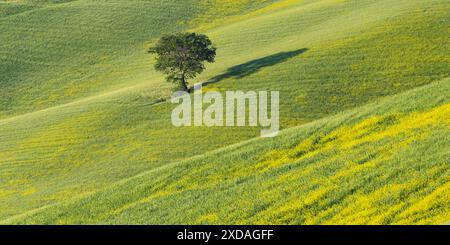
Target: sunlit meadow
{"x":86,"y":136}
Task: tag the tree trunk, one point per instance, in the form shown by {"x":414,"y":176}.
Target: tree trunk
{"x":184,"y":83}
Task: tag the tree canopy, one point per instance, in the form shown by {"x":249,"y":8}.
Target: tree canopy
{"x":182,"y":56}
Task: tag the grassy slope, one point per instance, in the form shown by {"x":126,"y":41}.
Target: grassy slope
{"x":42,"y":154}
{"x":386,"y":162}
{"x":67,"y":55}
{"x":355,"y":53}
{"x":44,"y":157}
{"x":54,"y":53}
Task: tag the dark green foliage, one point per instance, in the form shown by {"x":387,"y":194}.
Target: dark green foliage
{"x":181,"y":56}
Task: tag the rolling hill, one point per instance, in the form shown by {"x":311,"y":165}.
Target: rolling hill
{"x":86,"y":136}
{"x":386,"y":162}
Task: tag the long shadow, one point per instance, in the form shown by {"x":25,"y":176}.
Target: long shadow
{"x":254,"y":66}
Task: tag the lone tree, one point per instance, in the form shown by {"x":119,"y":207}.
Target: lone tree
{"x":181,"y":56}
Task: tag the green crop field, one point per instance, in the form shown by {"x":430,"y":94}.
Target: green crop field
{"x":85,"y":121}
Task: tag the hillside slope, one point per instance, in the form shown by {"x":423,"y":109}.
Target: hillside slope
{"x":83,"y":109}
{"x":383,"y":163}
{"x":54,"y":52}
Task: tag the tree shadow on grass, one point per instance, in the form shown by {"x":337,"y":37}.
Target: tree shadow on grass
{"x":254,"y":66}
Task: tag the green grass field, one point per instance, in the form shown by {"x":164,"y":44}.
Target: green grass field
{"x":86,"y":135}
